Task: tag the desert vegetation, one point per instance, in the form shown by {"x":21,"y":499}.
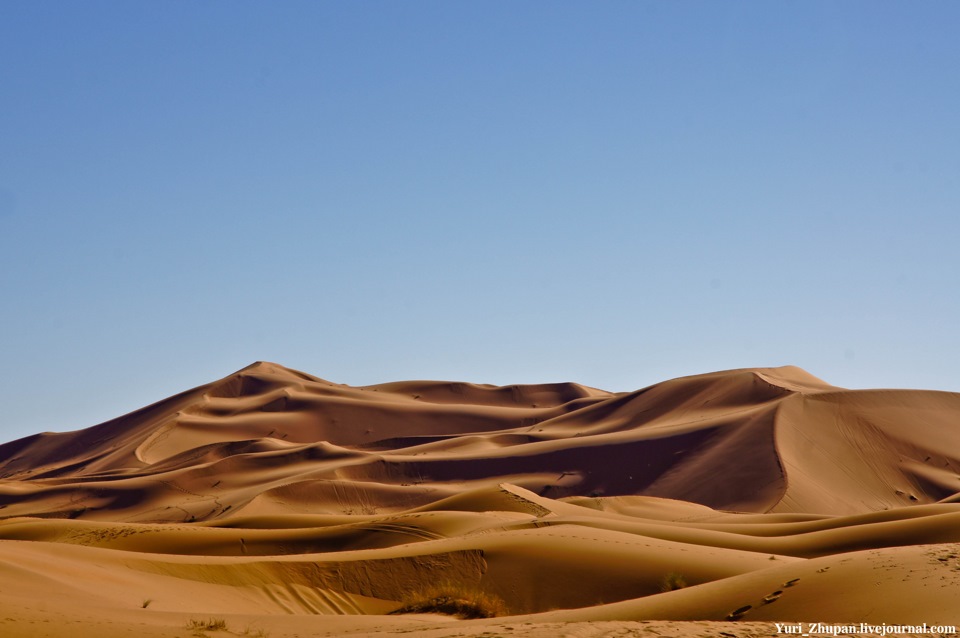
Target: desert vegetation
{"x":453,"y":599}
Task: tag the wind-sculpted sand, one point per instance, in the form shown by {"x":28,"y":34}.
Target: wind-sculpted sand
{"x":274,"y":503}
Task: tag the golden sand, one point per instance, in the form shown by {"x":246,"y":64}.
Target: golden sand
{"x":284,"y":505}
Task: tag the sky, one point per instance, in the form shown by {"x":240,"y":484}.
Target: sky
{"x":612,"y":193}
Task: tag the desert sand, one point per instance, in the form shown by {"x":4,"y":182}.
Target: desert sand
{"x":275,"y":503}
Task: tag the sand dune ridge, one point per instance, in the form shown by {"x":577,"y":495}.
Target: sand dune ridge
{"x":278,"y":491}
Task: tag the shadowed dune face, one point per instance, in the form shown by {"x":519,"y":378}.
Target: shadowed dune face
{"x":280,"y":491}
{"x":748,"y":440}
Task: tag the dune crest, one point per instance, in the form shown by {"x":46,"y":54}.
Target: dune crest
{"x":275,"y":490}
{"x":559,"y":440}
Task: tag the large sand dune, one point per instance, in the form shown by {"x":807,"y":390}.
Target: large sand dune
{"x":288,"y":505}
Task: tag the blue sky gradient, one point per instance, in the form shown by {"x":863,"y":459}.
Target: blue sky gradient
{"x":611,"y":193}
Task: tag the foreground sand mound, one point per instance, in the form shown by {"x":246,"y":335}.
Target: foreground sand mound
{"x":271,"y":495}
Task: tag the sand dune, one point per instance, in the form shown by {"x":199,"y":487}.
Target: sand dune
{"x":272,"y":498}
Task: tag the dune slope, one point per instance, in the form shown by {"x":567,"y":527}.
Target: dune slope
{"x":272,"y":495}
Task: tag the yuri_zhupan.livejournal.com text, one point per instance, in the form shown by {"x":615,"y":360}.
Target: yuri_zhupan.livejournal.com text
{"x":827,"y":629}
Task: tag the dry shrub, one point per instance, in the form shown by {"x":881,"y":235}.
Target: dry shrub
{"x":211,"y":624}
{"x":453,"y":599}
{"x":672,"y":581}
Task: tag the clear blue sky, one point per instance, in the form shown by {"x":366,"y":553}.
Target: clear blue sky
{"x":611,"y":193}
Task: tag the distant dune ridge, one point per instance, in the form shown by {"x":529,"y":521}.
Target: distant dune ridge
{"x":271,"y":496}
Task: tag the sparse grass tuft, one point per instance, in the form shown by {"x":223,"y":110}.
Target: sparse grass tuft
{"x":672,"y":581}
{"x":453,"y":599}
{"x":146,"y":603}
{"x":211,"y":624}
